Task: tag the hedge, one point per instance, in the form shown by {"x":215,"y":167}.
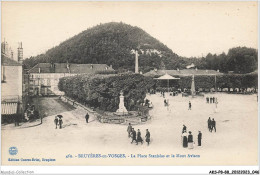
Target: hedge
{"x":102,"y":91}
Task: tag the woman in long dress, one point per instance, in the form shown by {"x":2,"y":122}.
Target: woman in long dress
{"x":190,"y":140}
{"x":184,"y":139}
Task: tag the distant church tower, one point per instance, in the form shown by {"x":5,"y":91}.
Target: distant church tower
{"x":20,"y":52}
{"x":136,"y":62}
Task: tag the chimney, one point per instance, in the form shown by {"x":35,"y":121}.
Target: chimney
{"x":20,"y":52}
{"x":196,"y":69}
{"x":178,"y":69}
{"x":91,"y":67}
{"x":218,"y":70}
{"x":39,"y":70}
{"x":111,"y":67}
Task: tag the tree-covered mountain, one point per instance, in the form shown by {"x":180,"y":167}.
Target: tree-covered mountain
{"x":115,"y":43}
{"x":112,"y":44}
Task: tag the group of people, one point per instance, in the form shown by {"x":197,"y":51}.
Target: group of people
{"x":211,"y":100}
{"x":30,"y":112}
{"x":211,"y":124}
{"x":147,"y":103}
{"x":58,"y":121}
{"x":137,"y":136}
{"x":187,"y":139}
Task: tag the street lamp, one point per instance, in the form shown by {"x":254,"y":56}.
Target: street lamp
{"x":38,"y":98}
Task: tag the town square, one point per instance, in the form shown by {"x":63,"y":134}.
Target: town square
{"x":126,"y":90}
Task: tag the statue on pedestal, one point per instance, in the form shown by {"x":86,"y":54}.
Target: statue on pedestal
{"x":121,"y":109}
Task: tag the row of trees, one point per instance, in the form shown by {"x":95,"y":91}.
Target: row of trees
{"x":240,"y":60}
{"x":102,"y":91}
{"x":240,"y":81}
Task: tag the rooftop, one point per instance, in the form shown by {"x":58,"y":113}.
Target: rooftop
{"x":5,"y":61}
{"x":69,"y":68}
{"x":183,"y":72}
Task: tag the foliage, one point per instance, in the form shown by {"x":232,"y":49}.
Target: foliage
{"x":114,"y":44}
{"x":103,"y":91}
{"x":240,"y":81}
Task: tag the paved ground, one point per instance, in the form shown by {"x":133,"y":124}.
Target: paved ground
{"x":234,"y":143}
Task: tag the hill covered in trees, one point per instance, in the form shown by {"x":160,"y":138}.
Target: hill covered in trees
{"x":115,"y":43}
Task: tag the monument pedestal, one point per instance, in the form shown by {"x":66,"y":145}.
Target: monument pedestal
{"x":121,"y":109}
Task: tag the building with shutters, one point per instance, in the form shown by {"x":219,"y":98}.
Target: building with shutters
{"x":44,"y":77}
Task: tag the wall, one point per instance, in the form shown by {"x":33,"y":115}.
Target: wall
{"x":12,"y":87}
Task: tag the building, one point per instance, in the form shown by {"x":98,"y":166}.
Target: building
{"x":183,"y":72}
{"x":14,"y":82}
{"x":12,"y":87}
{"x":44,"y":77}
{"x":6,"y":50}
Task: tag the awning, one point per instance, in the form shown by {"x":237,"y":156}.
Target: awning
{"x":8,"y":108}
{"x":167,"y":77}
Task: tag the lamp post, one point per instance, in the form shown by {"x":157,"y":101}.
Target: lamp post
{"x":38,"y":97}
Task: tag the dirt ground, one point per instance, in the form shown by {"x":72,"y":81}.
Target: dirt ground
{"x":234,"y":143}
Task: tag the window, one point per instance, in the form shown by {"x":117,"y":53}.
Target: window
{"x":3,"y":78}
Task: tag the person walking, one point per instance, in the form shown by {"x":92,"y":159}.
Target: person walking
{"x":165,"y":102}
{"x":190,"y":140}
{"x":147,"y":137}
{"x":213,"y":125}
{"x":139,"y":138}
{"x":184,"y":129}
{"x":189,"y":105}
{"x":87,"y":117}
{"x":199,"y":138}
{"x":56,"y":121}
{"x":133,"y":135}
{"x":209,"y":124}
{"x":129,"y":130}
{"x":16,"y":120}
{"x":210,"y":99}
{"x":207,"y":99}
{"x":184,"y":139}
{"x":213,"y":100}
{"x":60,"y":122}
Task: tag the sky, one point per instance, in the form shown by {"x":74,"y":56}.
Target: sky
{"x":190,"y":29}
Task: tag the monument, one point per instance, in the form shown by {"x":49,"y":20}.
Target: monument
{"x":121,"y":109}
{"x":193,"y":91}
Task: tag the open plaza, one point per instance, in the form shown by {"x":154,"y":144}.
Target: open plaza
{"x":234,"y":142}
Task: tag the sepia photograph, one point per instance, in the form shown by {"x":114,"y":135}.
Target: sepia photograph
{"x":129,"y":83}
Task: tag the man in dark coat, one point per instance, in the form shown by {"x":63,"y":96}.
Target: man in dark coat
{"x":209,"y":124}
{"x":56,"y":121}
{"x":213,"y":100}
{"x":147,"y":137}
{"x":133,"y":135}
{"x":213,"y":125}
{"x":210,"y":99}
{"x":139,"y":138}
{"x":199,"y":138}
{"x":87,"y":117}
{"x":207,"y":99}
{"x":189,"y":105}
{"x":16,"y":120}
{"x":184,"y":129}
{"x":129,"y":130}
